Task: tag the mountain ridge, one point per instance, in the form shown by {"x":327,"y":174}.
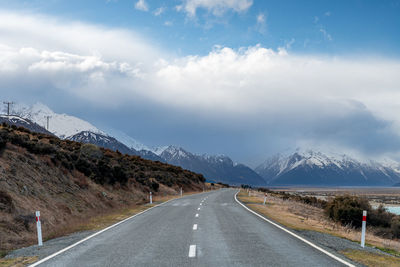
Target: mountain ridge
{"x":218,"y":168}
{"x":316,"y":168}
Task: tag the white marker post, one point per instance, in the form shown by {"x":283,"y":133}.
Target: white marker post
{"x":39,"y":228}
{"x":151,"y":199}
{"x":265,"y":199}
{"x":364,"y":222}
{"x":181,"y":191}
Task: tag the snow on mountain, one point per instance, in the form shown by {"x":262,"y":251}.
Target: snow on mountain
{"x":218,"y":168}
{"x":102,"y":141}
{"x":62,"y":125}
{"x":21,"y":122}
{"x":309,"y":167}
{"x":127,"y":140}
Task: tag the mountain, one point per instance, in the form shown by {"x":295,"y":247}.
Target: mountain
{"x":72,"y":128}
{"x":102,"y":140}
{"x":71,"y":182}
{"x":61,"y":125}
{"x":214,"y":168}
{"x":318,"y":169}
{"x":21,"y":122}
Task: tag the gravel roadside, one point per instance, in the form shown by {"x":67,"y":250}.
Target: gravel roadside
{"x":336,"y":244}
{"x":49,"y":247}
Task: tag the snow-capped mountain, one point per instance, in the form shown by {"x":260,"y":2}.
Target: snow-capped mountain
{"x":69,"y":127}
{"x":316,"y":168}
{"x":218,"y":168}
{"x":61,"y":125}
{"x":127,"y":140}
{"x":21,"y":122}
{"x":102,"y":141}
{"x":214,"y":168}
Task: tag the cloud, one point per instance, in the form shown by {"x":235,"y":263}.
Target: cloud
{"x":142,"y":5}
{"x":261,"y":98}
{"x":261,"y":25}
{"x":46,"y":52}
{"x":215,"y":7}
{"x":168,"y":23}
{"x":326,"y":35}
{"x":159,"y":11}
{"x":290,"y":93}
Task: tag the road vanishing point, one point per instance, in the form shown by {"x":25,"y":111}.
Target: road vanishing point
{"x":208,"y":229}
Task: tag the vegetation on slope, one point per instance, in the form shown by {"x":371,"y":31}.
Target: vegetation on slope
{"x":68,"y":181}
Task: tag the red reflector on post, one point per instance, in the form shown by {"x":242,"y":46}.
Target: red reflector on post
{"x":364,"y":218}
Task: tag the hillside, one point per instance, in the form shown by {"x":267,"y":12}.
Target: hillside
{"x":318,"y":169}
{"x":66,"y":180}
{"x":23,"y":122}
{"x":213,"y":167}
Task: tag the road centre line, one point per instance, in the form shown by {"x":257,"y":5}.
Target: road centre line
{"x":99,"y":232}
{"x":194,"y":226}
{"x":197,"y":215}
{"x":192,"y":251}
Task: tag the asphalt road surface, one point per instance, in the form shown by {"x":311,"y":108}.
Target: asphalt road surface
{"x":209,"y":229}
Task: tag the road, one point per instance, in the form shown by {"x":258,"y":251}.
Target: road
{"x":209,"y":229}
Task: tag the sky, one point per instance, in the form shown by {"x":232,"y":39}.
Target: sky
{"x":244,"y":78}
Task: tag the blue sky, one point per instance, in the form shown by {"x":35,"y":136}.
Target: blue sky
{"x":238,"y":77}
{"x":334,"y":27}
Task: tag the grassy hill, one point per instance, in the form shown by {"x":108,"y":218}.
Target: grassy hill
{"x":67,"y":180}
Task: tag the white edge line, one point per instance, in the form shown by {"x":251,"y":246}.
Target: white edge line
{"x":297,"y":236}
{"x":99,"y":232}
{"x":192,"y":251}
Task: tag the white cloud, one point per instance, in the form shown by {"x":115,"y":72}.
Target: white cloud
{"x":261,"y":18}
{"x":168,"y":23}
{"x":71,"y":56}
{"x":142,"y":5}
{"x":255,"y":84}
{"x":261,"y":25}
{"x":159,"y":11}
{"x":326,"y":35}
{"x":216,"y":7}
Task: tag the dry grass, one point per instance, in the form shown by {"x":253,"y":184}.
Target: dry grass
{"x":18,"y":262}
{"x":372,"y":259}
{"x":300,"y":216}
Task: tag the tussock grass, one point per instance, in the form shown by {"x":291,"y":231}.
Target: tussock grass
{"x":372,"y":259}
{"x":301,"y":216}
{"x":17,"y":262}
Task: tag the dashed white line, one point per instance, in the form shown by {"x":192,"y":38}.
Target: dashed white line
{"x":194,"y":226}
{"x":201,"y":204}
{"x":198,"y":208}
{"x":197,"y":215}
{"x":192,"y":251}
